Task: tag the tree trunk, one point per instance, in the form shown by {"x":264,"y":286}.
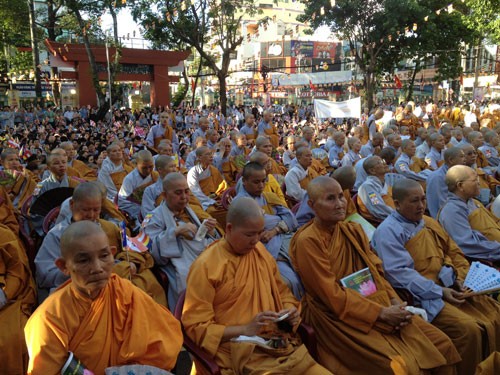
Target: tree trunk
{"x":222,"y":92}
{"x":52,"y":34}
{"x":200,"y":66}
{"x":369,"y":89}
{"x":34,"y":49}
{"x":115,"y":65}
{"x":409,"y":94}
{"x":101,"y":98}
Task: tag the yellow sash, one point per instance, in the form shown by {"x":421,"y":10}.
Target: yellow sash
{"x":485,"y":222}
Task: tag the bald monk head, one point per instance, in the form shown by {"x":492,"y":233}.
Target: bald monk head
{"x":491,"y":138}
{"x":263,"y":144}
{"x":300,"y":143}
{"x":304,"y":157}
{"x":245,"y":224}
{"x":345,"y":176}
{"x":165,"y":148}
{"x":203,"y":123}
{"x":375,"y":166}
{"x":454,"y":156}
{"x":100,"y":186}
{"x":470,"y":154}
{"x":204,"y":156}
{"x":69,"y":149}
{"x":327,"y":200}
{"x":164,"y":165}
{"x":476,"y":139}
{"x":462,"y":181}
{"x":307,"y":133}
{"x":254,"y":177}
{"x":145,"y":163}
{"x":409,"y":199}
{"x":378,"y":140}
{"x":262,"y":159}
{"x":176,"y":192}
{"x":114,"y":153}
{"x":354,"y":144}
{"x":436,"y":140}
{"x":339,"y":138}
{"x":408,"y":147}
{"x":57,"y":165}
{"x":86,"y":257}
{"x":86,"y":202}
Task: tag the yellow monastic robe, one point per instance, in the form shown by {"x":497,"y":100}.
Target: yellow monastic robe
{"x":319,"y":167}
{"x":23,"y":188}
{"x":19,"y":288}
{"x":418,"y":165}
{"x":168,"y":134}
{"x":351,"y":339}
{"x":84,"y":171}
{"x":225,"y":289}
{"x":471,"y":325}
{"x":215,"y":184}
{"x":230,"y":171}
{"x":7,"y":212}
{"x":489,"y":366}
{"x":144,"y":262}
{"x":272,"y":186}
{"x":311,"y":175}
{"x":277,"y":168}
{"x":117,"y":177}
{"x":485,"y":222}
{"x":273,"y":135}
{"x":121,"y":326}
{"x":481,"y":160}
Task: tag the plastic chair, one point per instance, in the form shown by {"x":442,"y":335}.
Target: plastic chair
{"x":50,"y":219}
{"x":201,"y":356}
{"x":305,"y":332}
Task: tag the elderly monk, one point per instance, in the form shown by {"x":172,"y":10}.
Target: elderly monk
{"x":234,"y":289}
{"x":86,"y":204}
{"x":201,"y":130}
{"x":317,"y":165}
{"x":419,"y":256}
{"x":191,"y":157}
{"x":263,"y":144}
{"x":17,"y":299}
{"x":373,"y":146}
{"x":299,"y":176}
{"x":22,"y":182}
{"x":279,"y":222}
{"x":152,"y":196}
{"x":488,"y":183}
{"x":476,"y":139}
{"x":85,"y":172}
{"x":207,"y":184}
{"x":113,"y":170}
{"x":474,"y":228}
{"x":172,"y":227}
{"x":356,"y":333}
{"x":405,"y":165}
{"x":134,"y":183}
{"x":374,"y":199}
{"x":268,"y":129}
{"x":489,"y":148}
{"x":436,"y":188}
{"x":161,"y":131}
{"x":101,"y":318}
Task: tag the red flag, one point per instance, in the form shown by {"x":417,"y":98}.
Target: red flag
{"x":399,"y":85}
{"x":311,"y":86}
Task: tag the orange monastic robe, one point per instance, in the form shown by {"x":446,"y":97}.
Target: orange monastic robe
{"x":351,"y":339}
{"x":84,"y":171}
{"x":117,"y":177}
{"x":474,"y":323}
{"x":168,"y":134}
{"x":121,"y":326}
{"x":22,"y":189}
{"x":7,"y":212}
{"x":273,"y":135}
{"x":215,"y":184}
{"x":277,"y":168}
{"x":225,"y":289}
{"x":19,"y":288}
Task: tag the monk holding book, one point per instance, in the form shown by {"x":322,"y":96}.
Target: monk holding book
{"x":358,"y":334}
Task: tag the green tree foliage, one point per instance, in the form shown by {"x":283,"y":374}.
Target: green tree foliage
{"x":212,"y":27}
{"x":381,"y":33}
{"x":12,"y":31}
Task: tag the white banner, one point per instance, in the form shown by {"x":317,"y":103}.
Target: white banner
{"x":326,"y":109}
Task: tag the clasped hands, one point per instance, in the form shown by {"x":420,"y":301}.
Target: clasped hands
{"x":266,"y":317}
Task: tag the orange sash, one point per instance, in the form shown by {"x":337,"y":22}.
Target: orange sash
{"x":485,"y":222}
{"x":168,"y":134}
{"x":214,"y":184}
{"x":273,"y":136}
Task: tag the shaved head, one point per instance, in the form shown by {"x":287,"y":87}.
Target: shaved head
{"x":453,"y":155}
{"x":457,"y":174}
{"x":319,"y":185}
{"x":77,"y":232}
{"x":345,"y":176}
{"x":261,"y":141}
{"x":243,"y":210}
{"x":171,"y":180}
{"x":86,"y":191}
{"x":144,"y":155}
{"x":259,"y":157}
{"x":402,"y":187}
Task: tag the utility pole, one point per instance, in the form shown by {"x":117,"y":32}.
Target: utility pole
{"x":34,"y":50}
{"x":109,"y":82}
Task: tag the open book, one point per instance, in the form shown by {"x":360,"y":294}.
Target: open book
{"x":360,"y":281}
